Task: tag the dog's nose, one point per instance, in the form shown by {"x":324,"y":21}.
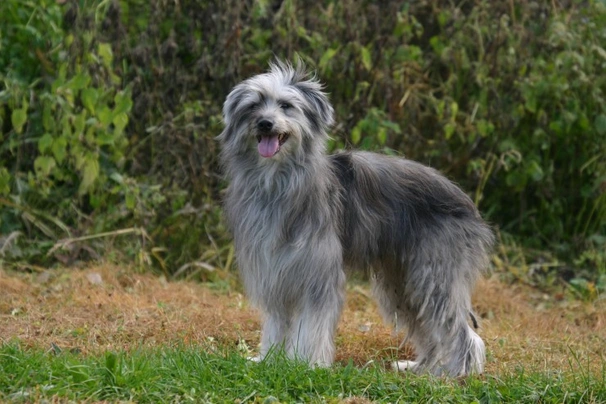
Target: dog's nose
{"x":265,"y":125}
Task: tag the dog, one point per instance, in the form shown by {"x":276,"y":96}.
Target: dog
{"x":301,"y":219}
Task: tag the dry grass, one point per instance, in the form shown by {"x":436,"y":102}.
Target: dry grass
{"x":70,"y":310}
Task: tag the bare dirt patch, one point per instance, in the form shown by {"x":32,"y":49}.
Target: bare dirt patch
{"x":108,"y":307}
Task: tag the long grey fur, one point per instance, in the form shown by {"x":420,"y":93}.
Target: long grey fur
{"x":300,"y":218}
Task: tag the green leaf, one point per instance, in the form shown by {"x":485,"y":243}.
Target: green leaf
{"x":80,"y":123}
{"x":531,"y":102}
{"x":18,"y":118}
{"x":120,"y":121}
{"x":48,"y":121}
{"x":485,"y":128}
{"x":600,"y":124}
{"x":76,"y":150}
{"x":366,"y":60}
{"x":326,"y":57}
{"x":600,"y":51}
{"x":90,"y":136}
{"x":583,"y":122}
{"x":59,"y":148}
{"x":443,"y":17}
{"x":105,"y":51}
{"x":454,"y":110}
{"x":43,"y":165}
{"x":382,"y":136}
{"x":392,"y":126}
{"x":123,"y":103}
{"x":556,"y":127}
{"x":535,"y":171}
{"x":130,"y":200}
{"x":104,"y":138}
{"x":437,"y":44}
{"x":105,"y":116}
{"x":449,"y":129}
{"x":89,"y":99}
{"x":5,"y":180}
{"x":356,"y":134}
{"x":516,"y":180}
{"x":90,"y":172}
{"x":366,"y":143}
{"x":117,"y":177}
{"x":78,"y":82}
{"x":45,"y":142}
{"x":403,"y":26}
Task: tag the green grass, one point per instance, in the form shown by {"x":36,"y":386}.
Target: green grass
{"x":190,"y":374}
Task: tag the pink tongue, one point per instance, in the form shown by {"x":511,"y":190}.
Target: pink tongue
{"x":268,"y":146}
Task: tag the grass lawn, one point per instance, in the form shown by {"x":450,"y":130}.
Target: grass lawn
{"x":108,"y":334}
{"x":197,"y":374}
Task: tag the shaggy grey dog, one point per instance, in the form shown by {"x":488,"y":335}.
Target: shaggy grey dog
{"x":300,"y":218}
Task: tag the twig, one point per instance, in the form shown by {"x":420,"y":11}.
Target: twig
{"x":65,"y":242}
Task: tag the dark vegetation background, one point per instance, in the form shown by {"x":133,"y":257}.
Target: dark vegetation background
{"x":109,"y":109}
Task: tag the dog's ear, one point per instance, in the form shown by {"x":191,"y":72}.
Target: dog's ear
{"x":230,"y":108}
{"x":318,"y":109}
{"x":321,"y":114}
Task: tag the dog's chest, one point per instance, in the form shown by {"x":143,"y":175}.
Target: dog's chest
{"x":272,"y":240}
{"x":269,"y":264}
{"x":261,"y":234}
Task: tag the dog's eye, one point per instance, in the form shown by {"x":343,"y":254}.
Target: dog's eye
{"x":285,"y":105}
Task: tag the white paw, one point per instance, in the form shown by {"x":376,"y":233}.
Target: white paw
{"x":321,"y":364}
{"x":256,"y":359}
{"x":403,"y":366}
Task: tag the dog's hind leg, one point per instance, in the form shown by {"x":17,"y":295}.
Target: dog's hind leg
{"x":434,"y":310}
{"x":444,"y":352}
{"x":466,"y":354}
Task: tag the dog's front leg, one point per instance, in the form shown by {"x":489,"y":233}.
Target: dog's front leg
{"x":312,"y":336}
{"x":274,"y":333}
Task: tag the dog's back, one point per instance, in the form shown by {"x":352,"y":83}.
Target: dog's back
{"x":391,"y":206}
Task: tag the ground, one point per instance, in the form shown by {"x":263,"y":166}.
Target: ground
{"x":106,"y":307}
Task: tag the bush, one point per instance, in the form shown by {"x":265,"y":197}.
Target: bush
{"x":63,"y":141}
{"x":507,"y":99}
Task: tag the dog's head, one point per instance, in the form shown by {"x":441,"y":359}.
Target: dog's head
{"x":276,"y":114}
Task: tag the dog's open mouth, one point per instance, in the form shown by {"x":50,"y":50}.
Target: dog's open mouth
{"x":269,"y":145}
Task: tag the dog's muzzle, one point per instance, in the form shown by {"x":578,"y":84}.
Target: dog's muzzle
{"x":269,"y":141}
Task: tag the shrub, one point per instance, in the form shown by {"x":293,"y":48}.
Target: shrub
{"x":505,"y":98}
{"x":63,"y":118}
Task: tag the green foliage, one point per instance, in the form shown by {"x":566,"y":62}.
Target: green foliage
{"x":559,"y":180}
{"x":373,"y":129}
{"x":110,"y":109}
{"x":224,"y":375}
{"x":590,"y":283}
{"x":65,"y":140}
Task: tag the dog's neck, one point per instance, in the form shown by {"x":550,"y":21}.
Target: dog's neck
{"x":278,"y":177}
